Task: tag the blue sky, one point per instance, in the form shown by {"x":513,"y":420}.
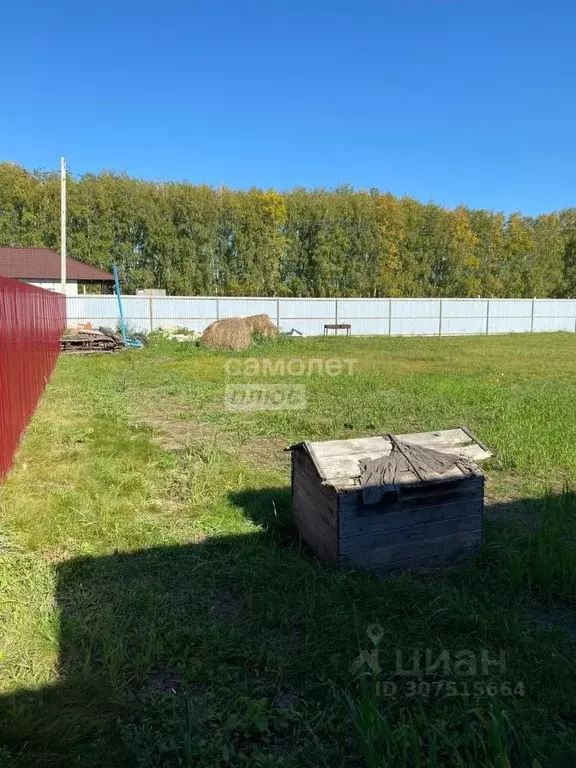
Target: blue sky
{"x":456,"y":101}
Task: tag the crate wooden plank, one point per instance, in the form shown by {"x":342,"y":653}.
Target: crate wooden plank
{"x":452,"y":437}
{"x":325,"y":510}
{"x":447,"y":437}
{"x":322,"y":495}
{"x":367,"y":542}
{"x":471,"y":451}
{"x":388,"y":556}
{"x":316,"y":533}
{"x":346,"y":468}
{"x":361,"y":445}
{"x":339,"y":458}
{"x":351,"y":501}
{"x":357,"y":525}
{"x":445,"y":558}
{"x":315,"y":509}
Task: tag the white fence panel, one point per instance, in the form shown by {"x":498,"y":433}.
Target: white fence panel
{"x":415,"y":317}
{"x":416,"y":309}
{"x":367,"y":326}
{"x":512,"y":308}
{"x":78,"y":307}
{"x":463,"y":326}
{"x":398,"y":317}
{"x":466,"y":308}
{"x":463,"y":317}
{"x":303,"y":309}
{"x":362,"y":309}
{"x":510,"y":325}
{"x":137,"y":313}
{"x":98,"y":310}
{"x":555,"y":308}
{"x":554,"y":324}
{"x":182,"y":308}
{"x":248,"y":306}
{"x":510,"y":315}
{"x":554,"y":315}
{"x":308,"y":327}
{"x":415,"y":326}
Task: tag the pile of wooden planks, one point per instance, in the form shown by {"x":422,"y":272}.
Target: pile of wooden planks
{"x":84,"y":340}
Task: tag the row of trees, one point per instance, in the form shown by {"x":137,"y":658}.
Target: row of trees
{"x":200,"y":240}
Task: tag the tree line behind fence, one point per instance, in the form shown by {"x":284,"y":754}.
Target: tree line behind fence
{"x":198,"y":240}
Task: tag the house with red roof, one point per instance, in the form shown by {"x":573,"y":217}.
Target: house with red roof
{"x":41,"y":267}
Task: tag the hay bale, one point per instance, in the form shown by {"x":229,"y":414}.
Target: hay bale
{"x":232,"y":333}
{"x":262,"y":325}
{"x":236,"y":332}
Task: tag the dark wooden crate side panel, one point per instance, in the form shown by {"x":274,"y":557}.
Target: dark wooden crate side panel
{"x":315,"y":508}
{"x":355,"y":516}
{"x":352,"y":506}
{"x":414,"y":554}
{"x":425,"y":531}
{"x":448,"y":557}
{"x":404,"y":515}
{"x":419,"y":530}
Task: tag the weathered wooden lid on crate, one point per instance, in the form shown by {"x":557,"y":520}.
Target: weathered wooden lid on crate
{"x":340,"y":463}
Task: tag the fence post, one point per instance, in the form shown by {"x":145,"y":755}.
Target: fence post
{"x":532,"y":318}
{"x":389,"y":317}
{"x":440,"y":320}
{"x":336,"y":314}
{"x":217,"y":308}
{"x":278,"y":313}
{"x":150,"y":304}
{"x":487,"y":316}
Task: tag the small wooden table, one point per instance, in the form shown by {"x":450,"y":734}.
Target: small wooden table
{"x":337,"y":327}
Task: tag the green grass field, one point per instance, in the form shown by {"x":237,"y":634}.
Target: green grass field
{"x":158,"y":609}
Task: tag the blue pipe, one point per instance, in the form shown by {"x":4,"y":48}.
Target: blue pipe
{"x":123,"y":327}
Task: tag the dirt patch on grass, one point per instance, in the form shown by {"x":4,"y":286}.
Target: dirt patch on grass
{"x":56,"y":555}
{"x":7,"y":547}
{"x":267,"y":452}
{"x":184,"y":433}
{"x":173,"y":429}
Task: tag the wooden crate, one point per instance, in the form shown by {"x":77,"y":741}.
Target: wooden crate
{"x":425,"y":521}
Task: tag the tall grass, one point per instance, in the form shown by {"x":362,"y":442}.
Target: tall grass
{"x":158,"y":609}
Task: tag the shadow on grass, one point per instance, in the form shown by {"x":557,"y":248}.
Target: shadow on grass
{"x":150,"y":642}
{"x":270,"y":509}
{"x":235,"y":651}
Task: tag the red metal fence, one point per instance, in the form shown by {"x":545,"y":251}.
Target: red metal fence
{"x":31,"y":322}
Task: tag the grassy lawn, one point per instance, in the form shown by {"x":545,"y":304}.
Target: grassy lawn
{"x":158,"y":609}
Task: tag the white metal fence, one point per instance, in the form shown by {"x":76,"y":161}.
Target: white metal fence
{"x":395,"y":317}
